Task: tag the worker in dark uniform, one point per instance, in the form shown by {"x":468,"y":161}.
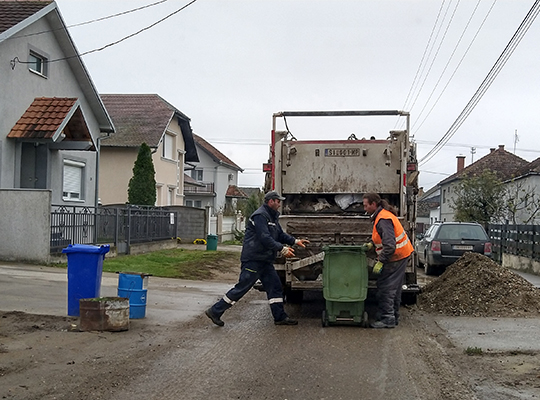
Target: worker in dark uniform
{"x":263,"y":241}
{"x":393,"y":249}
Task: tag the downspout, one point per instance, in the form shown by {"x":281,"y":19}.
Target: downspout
{"x":96,"y":191}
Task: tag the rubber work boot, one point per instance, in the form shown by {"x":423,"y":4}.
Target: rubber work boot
{"x":381,"y":325}
{"x":286,"y":321}
{"x":215,"y":320}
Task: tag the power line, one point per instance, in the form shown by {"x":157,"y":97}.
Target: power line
{"x":436,"y":52}
{"x":458,"y":65}
{"x":499,"y":64}
{"x":91,"y":21}
{"x":412,"y":88}
{"x":16,"y":59}
{"x":447,"y":63}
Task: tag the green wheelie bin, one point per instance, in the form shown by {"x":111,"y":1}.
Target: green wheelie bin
{"x":345,"y":285}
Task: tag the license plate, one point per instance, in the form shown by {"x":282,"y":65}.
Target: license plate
{"x":464,"y":248}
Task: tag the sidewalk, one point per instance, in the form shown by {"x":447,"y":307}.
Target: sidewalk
{"x":43,"y":290}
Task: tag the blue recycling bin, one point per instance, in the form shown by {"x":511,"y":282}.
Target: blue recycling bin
{"x":133,"y":286}
{"x":85,"y":266}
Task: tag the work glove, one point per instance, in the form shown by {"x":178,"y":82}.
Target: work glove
{"x":301,"y":242}
{"x":367,"y":246}
{"x":377,"y":268}
{"x":287,"y":252}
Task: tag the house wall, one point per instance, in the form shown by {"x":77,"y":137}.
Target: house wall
{"x":525,"y":186}
{"x":219,"y":176}
{"x":447,"y":197}
{"x":26,"y":233}
{"x":115,"y":171}
{"x":19,"y":86}
{"x":170,"y":173}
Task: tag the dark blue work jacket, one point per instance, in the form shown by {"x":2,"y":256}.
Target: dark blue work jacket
{"x":264,"y":236}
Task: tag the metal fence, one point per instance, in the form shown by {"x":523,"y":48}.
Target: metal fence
{"x":118,"y":226}
{"x":519,"y":240}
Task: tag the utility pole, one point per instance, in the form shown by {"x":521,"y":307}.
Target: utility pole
{"x":516,"y":139}
{"x":473,"y":152}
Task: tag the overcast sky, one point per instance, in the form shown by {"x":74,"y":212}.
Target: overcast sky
{"x":230,"y":64}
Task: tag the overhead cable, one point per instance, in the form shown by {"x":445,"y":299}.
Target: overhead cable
{"x":91,"y":21}
{"x":16,"y":59}
{"x":458,"y":65}
{"x":499,"y":64}
{"x":447,"y":64}
{"x":416,"y":76}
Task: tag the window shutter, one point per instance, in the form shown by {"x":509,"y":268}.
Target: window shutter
{"x":72,"y":179}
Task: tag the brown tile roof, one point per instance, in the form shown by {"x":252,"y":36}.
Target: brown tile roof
{"x":216,"y":155}
{"x":188,"y":180}
{"x":504,"y":164}
{"x":144,"y":118}
{"x":50,"y":116}
{"x":13,"y":12}
{"x":137,"y":118}
{"x":235,"y":191}
{"x":531,"y":168}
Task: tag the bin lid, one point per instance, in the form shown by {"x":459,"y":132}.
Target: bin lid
{"x":87,"y":248}
{"x":341,"y":247}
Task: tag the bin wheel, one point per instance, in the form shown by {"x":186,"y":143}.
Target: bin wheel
{"x":324,"y":319}
{"x":365,"y":320}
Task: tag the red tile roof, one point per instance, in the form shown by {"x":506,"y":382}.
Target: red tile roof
{"x":504,"y":164}
{"x":47,"y":115}
{"x":235,"y":191}
{"x":13,"y":12}
{"x":216,"y":155}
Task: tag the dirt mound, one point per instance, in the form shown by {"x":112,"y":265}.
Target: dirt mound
{"x":477,"y":286}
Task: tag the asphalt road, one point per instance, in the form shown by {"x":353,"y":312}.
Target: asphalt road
{"x":251,"y":358}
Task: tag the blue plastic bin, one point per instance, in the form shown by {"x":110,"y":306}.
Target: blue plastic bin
{"x":133,"y":286}
{"x":85,"y":266}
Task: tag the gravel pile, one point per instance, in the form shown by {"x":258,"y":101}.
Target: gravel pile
{"x":477,"y":286}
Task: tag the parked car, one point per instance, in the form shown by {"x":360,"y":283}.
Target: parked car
{"x":445,"y":242}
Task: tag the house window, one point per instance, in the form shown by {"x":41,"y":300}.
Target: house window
{"x":37,"y":63}
{"x":169,"y":149}
{"x":198,"y":203}
{"x":189,"y":203}
{"x":197,"y":174}
{"x":73,"y":178}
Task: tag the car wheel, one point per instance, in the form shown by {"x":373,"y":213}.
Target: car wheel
{"x":429,"y":269}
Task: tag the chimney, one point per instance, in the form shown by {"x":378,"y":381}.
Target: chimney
{"x":460,"y":163}
{"x":492,"y":150}
{"x":501,"y":147}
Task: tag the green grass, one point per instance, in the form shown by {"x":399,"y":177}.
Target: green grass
{"x":474,"y":351}
{"x":175,"y":263}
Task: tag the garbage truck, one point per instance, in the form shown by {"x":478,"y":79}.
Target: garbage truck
{"x":323,"y":172}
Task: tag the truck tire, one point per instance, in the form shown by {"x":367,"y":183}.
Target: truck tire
{"x":294,"y":296}
{"x":408,"y":299}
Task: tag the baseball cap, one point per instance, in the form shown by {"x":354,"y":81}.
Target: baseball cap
{"x":272,"y":195}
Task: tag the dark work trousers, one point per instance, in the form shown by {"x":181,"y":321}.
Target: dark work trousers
{"x":389,"y":286}
{"x":250,"y":272}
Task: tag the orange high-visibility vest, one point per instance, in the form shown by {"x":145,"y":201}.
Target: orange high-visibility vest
{"x":404,"y":247}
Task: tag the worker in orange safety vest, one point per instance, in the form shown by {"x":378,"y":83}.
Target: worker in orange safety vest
{"x":393,"y":249}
